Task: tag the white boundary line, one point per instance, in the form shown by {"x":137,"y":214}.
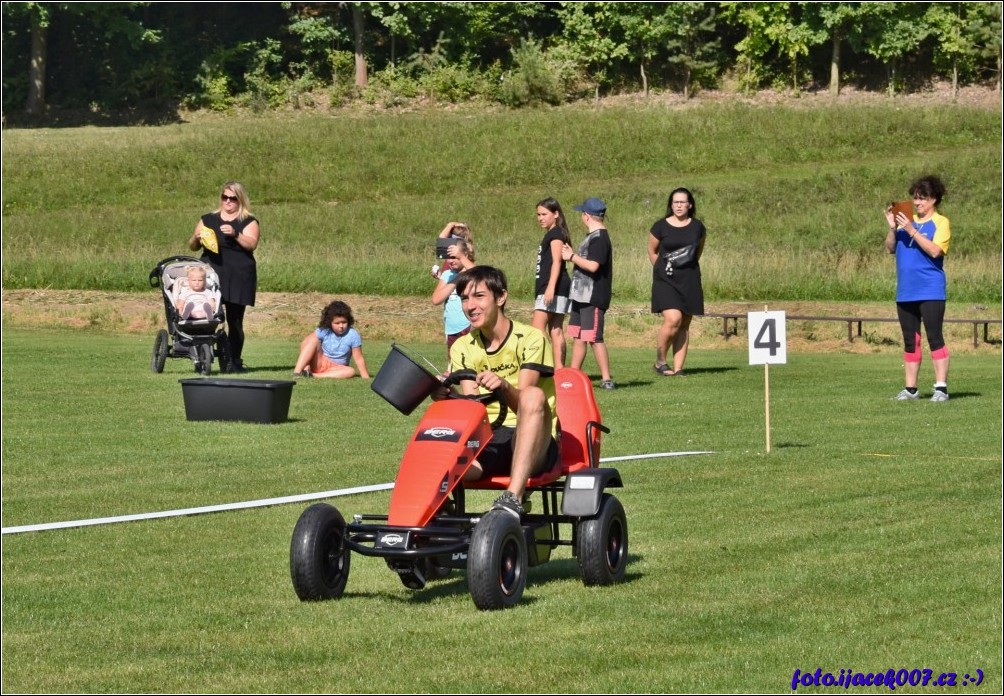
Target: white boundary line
{"x":265,"y":502}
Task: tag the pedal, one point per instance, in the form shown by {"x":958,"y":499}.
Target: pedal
{"x":411,"y":574}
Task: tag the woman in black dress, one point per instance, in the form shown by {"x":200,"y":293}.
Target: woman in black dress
{"x":228,"y":237}
{"x":675,"y":245}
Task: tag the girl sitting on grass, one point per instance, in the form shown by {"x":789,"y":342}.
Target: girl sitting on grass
{"x":325,"y":352}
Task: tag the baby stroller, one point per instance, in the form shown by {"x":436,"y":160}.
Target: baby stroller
{"x":193,"y":338}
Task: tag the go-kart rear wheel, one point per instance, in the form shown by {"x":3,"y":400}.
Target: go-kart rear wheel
{"x":159,"y":351}
{"x":204,"y":365}
{"x":318,"y":557}
{"x":603,"y":544}
{"x":496,"y":561}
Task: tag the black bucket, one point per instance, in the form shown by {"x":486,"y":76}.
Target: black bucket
{"x":403,"y":382}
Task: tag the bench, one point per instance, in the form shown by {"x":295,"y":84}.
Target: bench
{"x":734,"y":317}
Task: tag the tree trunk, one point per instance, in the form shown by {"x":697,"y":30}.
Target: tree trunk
{"x":644,"y":79}
{"x":835,"y":67}
{"x":357,"y":30}
{"x":955,"y":79}
{"x":686,"y":83}
{"x":36,"y":74}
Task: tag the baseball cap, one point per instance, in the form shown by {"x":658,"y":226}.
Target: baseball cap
{"x":592,"y":206}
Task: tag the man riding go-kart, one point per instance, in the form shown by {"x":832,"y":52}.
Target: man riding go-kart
{"x":505,"y":373}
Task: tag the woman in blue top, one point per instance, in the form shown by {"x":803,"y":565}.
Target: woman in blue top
{"x":326,"y":351}
{"x":460,"y":258}
{"x":920,"y":246}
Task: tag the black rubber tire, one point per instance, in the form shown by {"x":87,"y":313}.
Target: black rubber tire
{"x":603,"y":544}
{"x":319,"y":561}
{"x":496,"y":561}
{"x":205,"y":360}
{"x":159,"y":351}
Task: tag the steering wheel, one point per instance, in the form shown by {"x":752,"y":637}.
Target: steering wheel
{"x":494,"y":396}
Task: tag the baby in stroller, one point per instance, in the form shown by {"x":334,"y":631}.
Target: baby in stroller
{"x":192,"y":303}
{"x":192,"y":299}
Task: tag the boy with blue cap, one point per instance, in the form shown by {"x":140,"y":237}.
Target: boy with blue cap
{"x":591,"y":288}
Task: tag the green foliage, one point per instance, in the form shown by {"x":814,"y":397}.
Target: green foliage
{"x":983,"y":24}
{"x":389,"y":88}
{"x":895,"y":30}
{"x":114,"y":57}
{"x":266,"y":86}
{"x":692,"y":42}
{"x":592,"y":37}
{"x":318,"y":34}
{"x":533,"y":81}
{"x":744,"y":565}
{"x":213,"y":91}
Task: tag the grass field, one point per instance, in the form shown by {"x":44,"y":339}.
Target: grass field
{"x":792,"y":197}
{"x":869,"y":538}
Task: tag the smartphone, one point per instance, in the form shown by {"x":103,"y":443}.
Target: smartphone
{"x":443,"y":245}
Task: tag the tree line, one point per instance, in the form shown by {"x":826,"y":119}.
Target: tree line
{"x":104,"y":58}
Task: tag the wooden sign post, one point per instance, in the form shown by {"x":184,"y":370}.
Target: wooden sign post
{"x":767,"y":344}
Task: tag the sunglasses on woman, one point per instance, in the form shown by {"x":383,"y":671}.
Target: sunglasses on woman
{"x":232,"y":199}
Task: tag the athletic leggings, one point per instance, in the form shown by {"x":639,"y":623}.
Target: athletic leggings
{"x":235,"y":329}
{"x":932,"y":314}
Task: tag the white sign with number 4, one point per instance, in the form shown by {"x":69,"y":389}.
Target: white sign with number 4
{"x":767,"y":336}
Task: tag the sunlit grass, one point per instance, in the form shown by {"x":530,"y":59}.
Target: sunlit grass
{"x":868,"y":538}
{"x":791,"y":197}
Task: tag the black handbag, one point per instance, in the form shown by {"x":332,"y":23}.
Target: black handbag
{"x":680,"y":257}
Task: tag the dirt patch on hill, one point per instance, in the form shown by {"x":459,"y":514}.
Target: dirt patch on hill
{"x":416,"y":320}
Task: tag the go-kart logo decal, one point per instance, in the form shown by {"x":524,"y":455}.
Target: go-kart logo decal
{"x":566,"y":385}
{"x":391,"y":539}
{"x":439,"y":434}
{"x":444,"y":485}
{"x":474,"y":444}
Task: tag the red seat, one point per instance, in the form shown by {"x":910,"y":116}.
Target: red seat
{"x":579,"y":428}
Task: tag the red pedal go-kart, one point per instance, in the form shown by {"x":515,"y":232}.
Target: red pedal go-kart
{"x":428,"y":531}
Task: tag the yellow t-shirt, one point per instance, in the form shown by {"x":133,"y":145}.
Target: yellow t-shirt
{"x":525,"y":348}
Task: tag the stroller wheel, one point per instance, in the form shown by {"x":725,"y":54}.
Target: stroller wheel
{"x":204,"y":364}
{"x":159,"y":351}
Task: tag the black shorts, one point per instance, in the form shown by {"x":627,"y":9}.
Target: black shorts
{"x":496,"y":458}
{"x":586,"y":322}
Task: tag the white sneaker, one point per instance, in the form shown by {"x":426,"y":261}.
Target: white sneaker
{"x":907,"y":396}
{"x":938,"y":396}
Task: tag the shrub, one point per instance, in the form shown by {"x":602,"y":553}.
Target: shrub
{"x":533,"y":81}
{"x":453,"y":83}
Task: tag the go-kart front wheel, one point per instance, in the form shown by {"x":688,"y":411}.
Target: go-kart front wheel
{"x":318,"y":557}
{"x":159,"y":351}
{"x":497,"y":561}
{"x":603,"y":544}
